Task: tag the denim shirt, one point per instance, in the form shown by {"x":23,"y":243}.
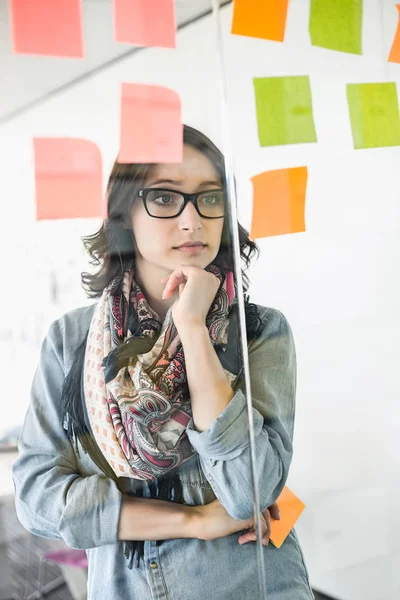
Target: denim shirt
{"x":60,"y":493}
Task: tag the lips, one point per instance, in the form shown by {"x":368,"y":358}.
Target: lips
{"x":191,"y":245}
{"x":191,"y":248}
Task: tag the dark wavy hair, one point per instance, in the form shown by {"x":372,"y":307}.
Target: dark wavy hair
{"x":112,"y":246}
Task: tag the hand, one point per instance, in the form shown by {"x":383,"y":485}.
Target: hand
{"x":197,"y":289}
{"x":251,"y":536}
{"x":211,"y":521}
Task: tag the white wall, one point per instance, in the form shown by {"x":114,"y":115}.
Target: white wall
{"x":336,"y":282}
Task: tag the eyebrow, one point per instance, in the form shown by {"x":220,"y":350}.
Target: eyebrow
{"x":178,"y":183}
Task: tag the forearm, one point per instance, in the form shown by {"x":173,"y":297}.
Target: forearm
{"x":210,"y":390}
{"x":273,"y":458}
{"x":152,"y":519}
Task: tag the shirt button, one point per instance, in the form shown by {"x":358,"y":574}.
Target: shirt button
{"x":153,"y":565}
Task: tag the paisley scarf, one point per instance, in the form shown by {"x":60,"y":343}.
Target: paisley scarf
{"x":139,"y":408}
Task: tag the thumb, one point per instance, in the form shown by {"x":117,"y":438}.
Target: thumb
{"x":274,"y":511}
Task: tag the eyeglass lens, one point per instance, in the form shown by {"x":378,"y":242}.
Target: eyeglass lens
{"x":165,"y":203}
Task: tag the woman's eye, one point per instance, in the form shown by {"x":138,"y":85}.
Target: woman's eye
{"x":212,"y":199}
{"x":164,"y":199}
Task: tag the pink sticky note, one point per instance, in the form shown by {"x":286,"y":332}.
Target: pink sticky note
{"x":145,"y":22}
{"x":68,"y":177}
{"x":151,"y":125}
{"x":49,"y":27}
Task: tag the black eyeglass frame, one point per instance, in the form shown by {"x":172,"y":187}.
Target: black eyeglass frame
{"x":186,"y":198}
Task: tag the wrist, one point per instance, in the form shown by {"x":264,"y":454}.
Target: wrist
{"x":191,"y":328}
{"x":192,"y":520}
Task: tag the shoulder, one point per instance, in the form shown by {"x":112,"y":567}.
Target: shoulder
{"x":274,"y":326}
{"x":67,"y":333}
{"x":272,"y":319}
{"x":75,"y":323}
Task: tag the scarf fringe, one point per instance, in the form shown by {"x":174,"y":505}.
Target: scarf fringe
{"x":72,"y":410}
{"x":125,"y":354}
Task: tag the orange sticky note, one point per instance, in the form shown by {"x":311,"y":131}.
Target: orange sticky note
{"x":290,"y":508}
{"x":264,"y":19}
{"x":68,"y":177}
{"x":47,"y":27}
{"x":394,"y":55}
{"x":151,"y":125}
{"x":279,"y":202}
{"x":145,"y":22}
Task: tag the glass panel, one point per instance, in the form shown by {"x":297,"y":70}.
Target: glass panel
{"x":137,"y":454}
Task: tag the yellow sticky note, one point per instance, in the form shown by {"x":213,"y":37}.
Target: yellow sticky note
{"x":284,"y":110}
{"x":337,"y":25}
{"x":374,"y":114}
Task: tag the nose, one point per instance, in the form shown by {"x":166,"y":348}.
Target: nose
{"x":190,"y":219}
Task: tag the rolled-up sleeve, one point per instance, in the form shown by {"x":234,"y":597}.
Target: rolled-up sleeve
{"x":52,"y":499}
{"x":224,"y":448}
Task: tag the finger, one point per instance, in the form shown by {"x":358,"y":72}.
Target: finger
{"x":267,"y":527}
{"x":274,"y":511}
{"x":183,"y":273}
{"x":174,"y":280}
{"x":181,"y":288}
{"x":249,"y":536}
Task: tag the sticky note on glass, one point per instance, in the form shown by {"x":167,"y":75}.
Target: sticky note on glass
{"x":145,"y":22}
{"x":337,"y":25}
{"x":47,"y":27}
{"x":151,"y":125}
{"x":68,"y":178}
{"x":374,"y":114}
{"x":290,"y":508}
{"x":284,"y":110}
{"x":279,"y":202}
{"x":394,"y":55}
{"x":265,"y":19}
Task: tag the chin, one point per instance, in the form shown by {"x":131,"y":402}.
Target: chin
{"x":194,"y":261}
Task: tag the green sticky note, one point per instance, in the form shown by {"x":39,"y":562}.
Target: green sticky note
{"x":374,"y":114}
{"x":284,"y":110}
{"x":337,"y":25}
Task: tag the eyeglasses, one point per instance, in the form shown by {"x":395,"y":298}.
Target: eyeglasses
{"x":167,"y":204}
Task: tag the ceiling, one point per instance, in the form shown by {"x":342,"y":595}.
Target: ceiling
{"x":29,"y":80}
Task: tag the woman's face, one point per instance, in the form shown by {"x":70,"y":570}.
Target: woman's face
{"x":157,"y":240}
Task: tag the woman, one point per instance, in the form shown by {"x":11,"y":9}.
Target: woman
{"x":135,"y":445}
